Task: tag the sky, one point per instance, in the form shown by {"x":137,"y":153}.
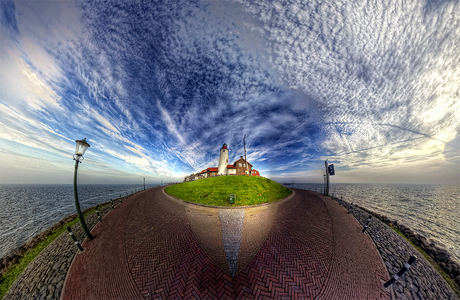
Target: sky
{"x":156,"y":88}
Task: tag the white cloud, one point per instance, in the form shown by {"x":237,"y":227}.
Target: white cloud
{"x":390,"y":75}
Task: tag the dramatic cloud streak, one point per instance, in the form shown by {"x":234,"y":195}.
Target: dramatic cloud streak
{"x":158,"y":87}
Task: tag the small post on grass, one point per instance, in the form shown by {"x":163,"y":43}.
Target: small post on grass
{"x":111,"y":202}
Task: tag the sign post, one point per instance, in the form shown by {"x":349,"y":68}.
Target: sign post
{"x":330,"y":168}
{"x":329,"y":171}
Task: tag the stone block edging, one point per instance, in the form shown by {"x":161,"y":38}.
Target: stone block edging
{"x":421,"y":281}
{"x":44,"y":277}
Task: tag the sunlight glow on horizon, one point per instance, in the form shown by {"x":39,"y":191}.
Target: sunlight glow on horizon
{"x":157,"y":90}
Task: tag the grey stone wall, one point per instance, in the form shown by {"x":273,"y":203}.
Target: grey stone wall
{"x":44,"y":276}
{"x":421,"y":281}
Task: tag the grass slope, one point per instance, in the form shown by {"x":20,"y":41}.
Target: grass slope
{"x":215,"y":190}
{"x":435,"y":265}
{"x":13,"y":272}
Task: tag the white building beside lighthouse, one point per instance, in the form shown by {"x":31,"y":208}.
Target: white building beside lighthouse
{"x":239,"y":167}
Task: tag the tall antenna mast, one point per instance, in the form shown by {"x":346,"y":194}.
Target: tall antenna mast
{"x":244,"y":142}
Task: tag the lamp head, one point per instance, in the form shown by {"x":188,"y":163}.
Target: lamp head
{"x":81,"y":147}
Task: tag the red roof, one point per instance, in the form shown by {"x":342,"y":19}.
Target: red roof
{"x":212,"y":169}
{"x":231,"y":167}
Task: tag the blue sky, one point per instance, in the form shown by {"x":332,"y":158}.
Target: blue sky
{"x":157,"y":87}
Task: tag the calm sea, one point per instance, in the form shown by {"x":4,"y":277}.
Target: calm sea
{"x":27,"y":210}
{"x":430,"y":210}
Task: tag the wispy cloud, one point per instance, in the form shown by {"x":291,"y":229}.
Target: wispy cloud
{"x":157,"y":88}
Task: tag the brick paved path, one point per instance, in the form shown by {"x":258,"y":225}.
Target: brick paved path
{"x":153,"y":246}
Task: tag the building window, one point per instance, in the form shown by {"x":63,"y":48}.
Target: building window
{"x":244,"y":165}
{"x":239,"y":164}
{"x":227,"y":161}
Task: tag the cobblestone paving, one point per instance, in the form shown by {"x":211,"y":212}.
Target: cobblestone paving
{"x":44,"y":276}
{"x":421,"y":281}
{"x":231,"y":221}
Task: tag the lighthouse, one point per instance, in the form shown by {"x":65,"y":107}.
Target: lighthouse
{"x":223,"y":161}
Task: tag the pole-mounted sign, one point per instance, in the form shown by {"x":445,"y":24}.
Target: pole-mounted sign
{"x":330,"y":169}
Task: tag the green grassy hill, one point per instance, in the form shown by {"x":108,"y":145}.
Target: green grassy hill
{"x":215,"y":190}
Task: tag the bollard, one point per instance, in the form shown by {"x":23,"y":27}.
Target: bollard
{"x":351,"y":206}
{"x":98,"y":215}
{"x":401,"y":272}
{"x":367,"y":223}
{"x":111,"y":202}
{"x":74,"y":239}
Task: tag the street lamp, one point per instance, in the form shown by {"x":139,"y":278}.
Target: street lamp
{"x":82,"y":145}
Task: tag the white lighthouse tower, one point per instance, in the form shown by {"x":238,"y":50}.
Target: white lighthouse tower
{"x":223,"y":161}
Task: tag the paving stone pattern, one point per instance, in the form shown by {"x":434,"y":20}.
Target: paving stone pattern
{"x":354,"y":255}
{"x":205,"y":223}
{"x":147,"y":249}
{"x":206,"y":226}
{"x":421,"y":281}
{"x":231,"y":221}
{"x":44,"y":276}
{"x":257,"y":225}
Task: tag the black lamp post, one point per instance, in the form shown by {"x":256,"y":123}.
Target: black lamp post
{"x":82,"y":145}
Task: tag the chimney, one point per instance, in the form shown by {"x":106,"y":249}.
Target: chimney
{"x":241,"y":156}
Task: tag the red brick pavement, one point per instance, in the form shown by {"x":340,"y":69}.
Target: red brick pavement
{"x":146,"y":248}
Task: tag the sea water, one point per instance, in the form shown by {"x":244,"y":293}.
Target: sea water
{"x":27,"y":210}
{"x":429,"y":210}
